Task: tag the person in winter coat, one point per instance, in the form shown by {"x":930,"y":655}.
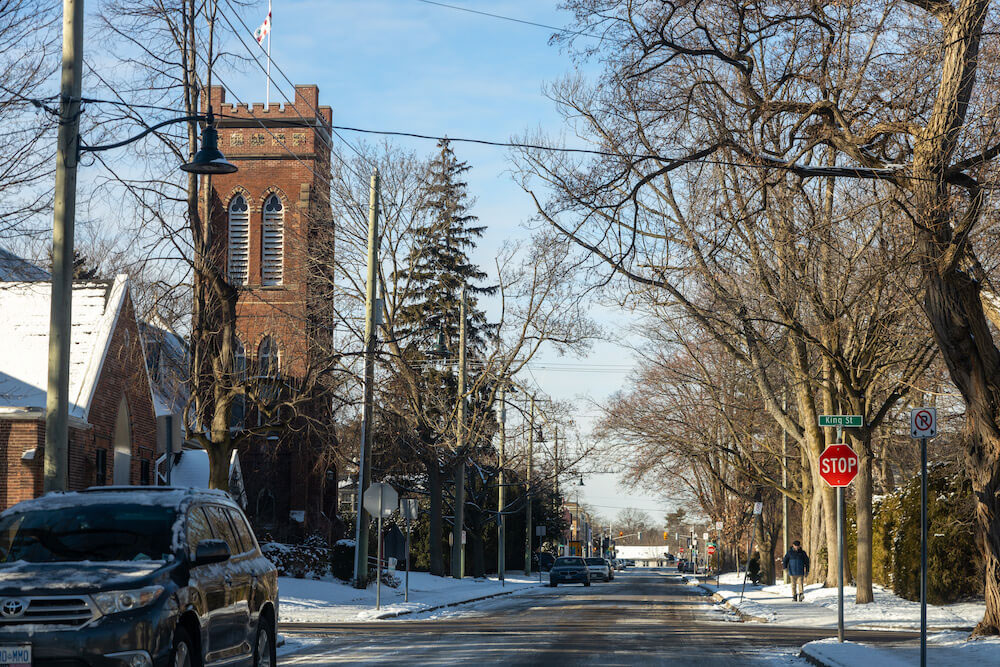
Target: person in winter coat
{"x":796,"y":561}
{"x":753,"y":568}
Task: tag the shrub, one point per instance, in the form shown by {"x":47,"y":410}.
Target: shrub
{"x":954,"y":568}
{"x":342,"y":560}
{"x":309,"y":560}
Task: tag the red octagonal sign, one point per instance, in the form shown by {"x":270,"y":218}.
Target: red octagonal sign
{"x":838,"y":465}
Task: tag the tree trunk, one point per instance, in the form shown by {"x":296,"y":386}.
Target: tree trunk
{"x":435,"y":548}
{"x":956,"y":315}
{"x":765,"y":550}
{"x":863,"y":510}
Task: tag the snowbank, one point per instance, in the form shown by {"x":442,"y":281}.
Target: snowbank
{"x":331,"y":601}
{"x":946,"y":649}
{"x":774,"y":604}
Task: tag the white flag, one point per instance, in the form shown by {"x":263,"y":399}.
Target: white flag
{"x":264,"y":29}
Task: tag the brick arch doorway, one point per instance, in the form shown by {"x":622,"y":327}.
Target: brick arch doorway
{"x":122,"y":444}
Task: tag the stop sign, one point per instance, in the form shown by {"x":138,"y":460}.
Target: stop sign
{"x":711,"y":549}
{"x":838,"y":465}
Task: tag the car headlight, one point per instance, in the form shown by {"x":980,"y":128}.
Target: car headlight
{"x":114,"y":602}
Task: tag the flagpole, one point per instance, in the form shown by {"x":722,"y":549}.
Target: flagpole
{"x":270,"y":21}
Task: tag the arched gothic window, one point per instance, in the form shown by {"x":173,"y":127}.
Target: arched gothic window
{"x":239,"y":240}
{"x":272,"y":261}
{"x":268,"y":357}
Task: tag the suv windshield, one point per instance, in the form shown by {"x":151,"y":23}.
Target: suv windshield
{"x":105,"y":532}
{"x":565,"y":562}
{"x":596,"y":561}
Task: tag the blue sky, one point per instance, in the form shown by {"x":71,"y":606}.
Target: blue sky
{"x":409,"y":66}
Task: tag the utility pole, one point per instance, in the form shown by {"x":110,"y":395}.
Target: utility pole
{"x":527,"y":491}
{"x":784,"y":485}
{"x":63,"y":223}
{"x":364,"y":461}
{"x":555,"y":430}
{"x":458,"y":548}
{"x":501,"y":545}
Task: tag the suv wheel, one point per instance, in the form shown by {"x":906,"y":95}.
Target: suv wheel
{"x":264,"y":648}
{"x":180,"y":656}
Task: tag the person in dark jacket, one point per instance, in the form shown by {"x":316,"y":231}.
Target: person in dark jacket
{"x":753,"y":568}
{"x":796,"y":561}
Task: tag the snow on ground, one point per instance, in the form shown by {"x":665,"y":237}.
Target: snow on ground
{"x":945,"y":649}
{"x":332,"y":601}
{"x":774,"y":604}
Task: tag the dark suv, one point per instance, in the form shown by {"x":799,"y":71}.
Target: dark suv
{"x":134,"y":577}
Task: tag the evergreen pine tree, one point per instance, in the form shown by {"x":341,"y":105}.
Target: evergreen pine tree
{"x":439,"y":263}
{"x":437,"y":268}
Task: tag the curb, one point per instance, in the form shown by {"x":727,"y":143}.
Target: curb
{"x":397,"y":614}
{"x":744,"y":617}
{"x":813,"y":659}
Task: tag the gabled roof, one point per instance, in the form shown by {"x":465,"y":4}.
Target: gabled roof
{"x":13,"y":267}
{"x":24,"y":341}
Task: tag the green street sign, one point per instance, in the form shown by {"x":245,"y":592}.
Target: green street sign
{"x":845,"y":421}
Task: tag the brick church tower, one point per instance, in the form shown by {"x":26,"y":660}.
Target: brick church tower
{"x":275,"y":216}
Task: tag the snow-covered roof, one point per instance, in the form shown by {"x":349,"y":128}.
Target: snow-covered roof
{"x":24,"y":342}
{"x":167,"y":363}
{"x":13,"y":267}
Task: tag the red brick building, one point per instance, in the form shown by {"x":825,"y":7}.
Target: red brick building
{"x":273,"y":213}
{"x":112,"y":419}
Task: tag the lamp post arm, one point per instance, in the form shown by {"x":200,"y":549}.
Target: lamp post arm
{"x":148,"y":130}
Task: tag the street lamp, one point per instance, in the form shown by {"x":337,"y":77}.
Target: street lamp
{"x":207,"y":161}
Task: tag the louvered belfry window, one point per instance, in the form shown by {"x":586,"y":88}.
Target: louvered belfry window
{"x":239,"y":240}
{"x":273,"y":246}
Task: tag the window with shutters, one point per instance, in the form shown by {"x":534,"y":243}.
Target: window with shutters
{"x":239,"y":240}
{"x":273,"y":243}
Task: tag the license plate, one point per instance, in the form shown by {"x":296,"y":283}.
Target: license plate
{"x":15,"y":656}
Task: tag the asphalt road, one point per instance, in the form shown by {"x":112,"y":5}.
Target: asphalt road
{"x":644,"y":617}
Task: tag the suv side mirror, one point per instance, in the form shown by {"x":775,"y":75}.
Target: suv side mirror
{"x":211,"y":551}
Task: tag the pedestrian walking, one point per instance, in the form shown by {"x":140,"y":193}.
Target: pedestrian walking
{"x":796,"y":561}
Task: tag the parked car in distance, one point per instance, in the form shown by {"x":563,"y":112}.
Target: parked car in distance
{"x":681,"y":565}
{"x":611,"y":569}
{"x":599,"y":569}
{"x":569,"y":570}
{"x":137,"y":577}
{"x":630,"y":563}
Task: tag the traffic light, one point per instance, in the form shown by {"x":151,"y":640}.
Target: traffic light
{"x":664,"y":536}
{"x":621,"y":533}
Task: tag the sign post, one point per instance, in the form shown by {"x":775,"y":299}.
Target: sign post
{"x":408,"y":508}
{"x":838,"y":466}
{"x":381,"y":501}
{"x":923,"y":425}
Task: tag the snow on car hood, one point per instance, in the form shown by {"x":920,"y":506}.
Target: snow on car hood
{"x":22,"y":577}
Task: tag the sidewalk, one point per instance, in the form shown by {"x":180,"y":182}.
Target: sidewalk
{"x":332,"y":601}
{"x":946,"y":649}
{"x":774,"y":604}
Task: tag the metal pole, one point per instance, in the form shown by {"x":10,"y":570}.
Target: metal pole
{"x":458,"y":548}
{"x":63,"y":223}
{"x":840,"y":564}
{"x":378,"y":557}
{"x":501,"y":547}
{"x":923,"y":552}
{"x":364,"y":464}
{"x":527,"y":492}
{"x":784,"y":485}
{"x":406,"y":590}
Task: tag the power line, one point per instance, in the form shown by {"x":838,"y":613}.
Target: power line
{"x":501,"y":17}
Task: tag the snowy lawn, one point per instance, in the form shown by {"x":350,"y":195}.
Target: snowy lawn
{"x":332,"y":601}
{"x":774,"y":604}
{"x":945,"y":649}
